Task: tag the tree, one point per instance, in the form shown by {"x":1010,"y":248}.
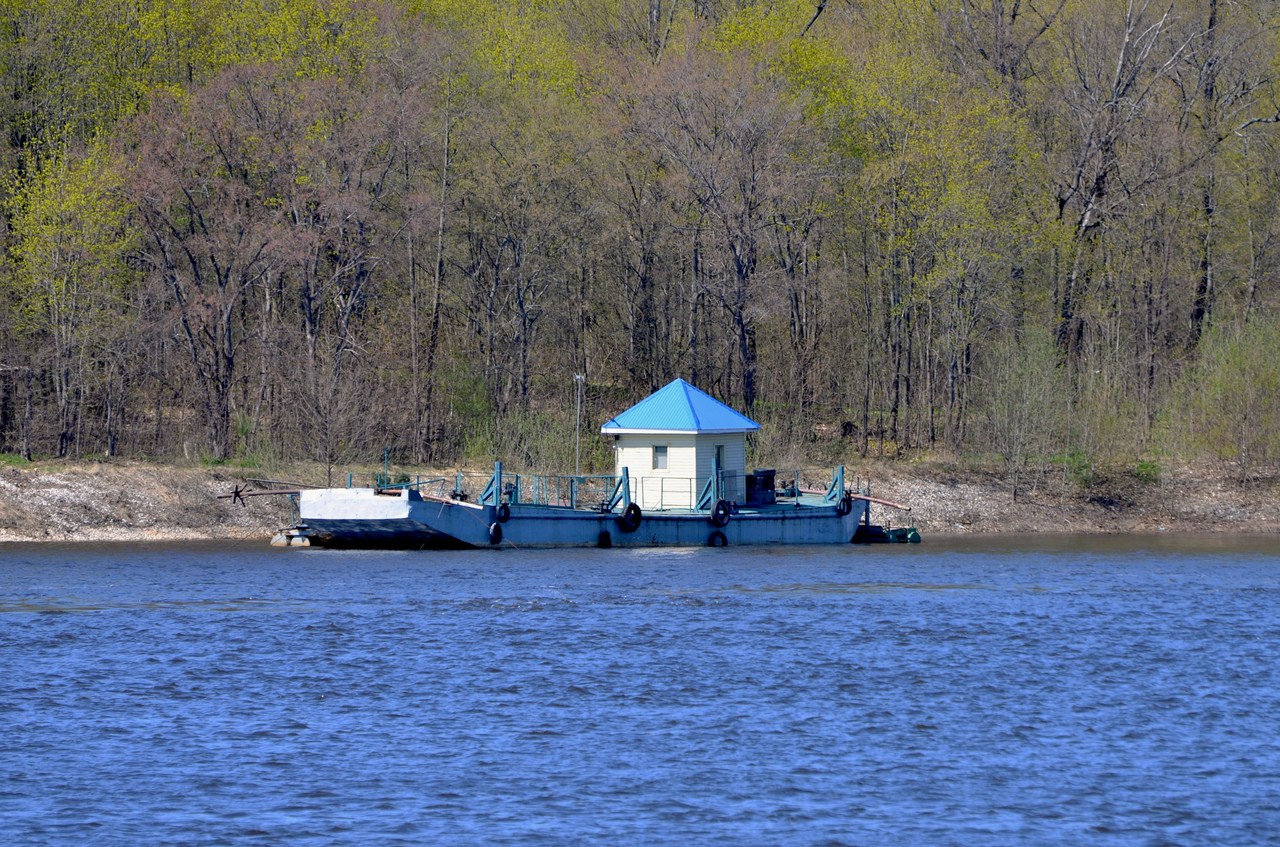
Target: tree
{"x":211,"y":196}
{"x":1025,"y":402}
{"x":1112,"y":67}
{"x":70,"y":215}
{"x":1227,"y":90}
{"x":998,"y":37}
{"x":430,"y":87}
{"x":328,"y":252}
{"x":1233,"y":397}
{"x":728,"y":129}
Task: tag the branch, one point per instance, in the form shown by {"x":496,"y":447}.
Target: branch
{"x":1271,"y":119}
{"x":822,"y":4}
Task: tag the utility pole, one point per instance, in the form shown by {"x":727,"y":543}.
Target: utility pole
{"x":577,"y":432}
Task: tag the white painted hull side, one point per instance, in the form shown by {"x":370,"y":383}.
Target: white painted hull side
{"x":365,"y":517}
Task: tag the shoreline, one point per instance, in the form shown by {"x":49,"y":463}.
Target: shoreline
{"x":141,"y":502}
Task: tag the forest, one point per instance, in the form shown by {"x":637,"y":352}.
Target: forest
{"x":1028,"y":234}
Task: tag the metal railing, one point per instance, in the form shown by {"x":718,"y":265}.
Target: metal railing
{"x":605,"y":492}
{"x":665,"y":492}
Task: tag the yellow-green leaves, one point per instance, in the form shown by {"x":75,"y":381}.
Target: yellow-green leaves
{"x":80,"y":65}
{"x":324,"y":37}
{"x":70,"y":216}
{"x":758,"y":26}
{"x":1233,"y":397}
{"x":524,"y":42}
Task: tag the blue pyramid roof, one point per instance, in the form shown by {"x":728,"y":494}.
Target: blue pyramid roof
{"x":679,"y":407}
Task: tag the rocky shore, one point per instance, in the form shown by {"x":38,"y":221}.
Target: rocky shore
{"x":130,"y":501}
{"x":1191,"y":500}
{"x":127,"y":501}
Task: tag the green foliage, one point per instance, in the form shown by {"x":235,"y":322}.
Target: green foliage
{"x":1106,"y":418}
{"x":70,"y":217}
{"x":1025,"y":403}
{"x":524,"y":42}
{"x":70,"y":282}
{"x":760,"y":27}
{"x":1148,"y":471}
{"x":324,"y":37}
{"x":936,"y":228}
{"x":1076,"y":466}
{"x":1232,"y":399}
{"x":244,"y":428}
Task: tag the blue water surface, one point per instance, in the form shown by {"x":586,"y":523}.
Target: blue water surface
{"x":1062,"y":690}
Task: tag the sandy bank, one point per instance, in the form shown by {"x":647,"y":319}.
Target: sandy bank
{"x":126,"y":501}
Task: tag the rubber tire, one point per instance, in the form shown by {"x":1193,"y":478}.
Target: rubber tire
{"x":604,"y":540}
{"x":717,"y":539}
{"x":629,"y":520}
{"x":720,"y":514}
{"x":845,"y":506}
{"x":495,"y":534}
{"x":504,"y":513}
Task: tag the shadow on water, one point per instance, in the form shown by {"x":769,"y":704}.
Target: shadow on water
{"x":1119,"y":544}
{"x":56,"y":607}
{"x":835,"y":588}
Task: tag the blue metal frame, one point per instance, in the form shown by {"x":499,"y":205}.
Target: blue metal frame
{"x":836,"y":490}
{"x":713,"y":491}
{"x":492,"y":495}
{"x":621,"y":492}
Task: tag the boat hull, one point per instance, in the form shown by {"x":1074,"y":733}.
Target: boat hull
{"x":362,"y":517}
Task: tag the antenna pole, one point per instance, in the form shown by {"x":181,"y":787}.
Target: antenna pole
{"x":577,"y":432}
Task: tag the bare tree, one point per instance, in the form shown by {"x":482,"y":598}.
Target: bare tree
{"x":729,"y":130}
{"x":210,"y":197}
{"x":1116,"y":62}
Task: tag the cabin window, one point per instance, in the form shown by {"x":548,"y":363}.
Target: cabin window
{"x":659,"y":457}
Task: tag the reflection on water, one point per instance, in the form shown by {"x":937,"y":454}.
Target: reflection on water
{"x":972,"y":691}
{"x":861,"y":587}
{"x":55,"y":606}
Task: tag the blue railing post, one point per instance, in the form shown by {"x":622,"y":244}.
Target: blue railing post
{"x":713,"y":491}
{"x":492,"y":495}
{"x":836,"y":489}
{"x":621,"y":491}
{"x":704,"y":497}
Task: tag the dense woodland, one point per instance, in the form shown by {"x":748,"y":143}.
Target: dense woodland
{"x":1043,"y":234}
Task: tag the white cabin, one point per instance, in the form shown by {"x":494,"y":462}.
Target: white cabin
{"x":671,"y":441}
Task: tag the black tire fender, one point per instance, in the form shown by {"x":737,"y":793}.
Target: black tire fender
{"x":504,"y":513}
{"x":720,"y":514}
{"x":495,"y":533}
{"x":717,"y":539}
{"x":845,"y":506}
{"x":629,"y":520}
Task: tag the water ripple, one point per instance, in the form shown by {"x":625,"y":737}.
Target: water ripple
{"x":964,"y":695}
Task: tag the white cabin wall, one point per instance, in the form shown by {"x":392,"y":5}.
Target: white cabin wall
{"x":735,"y":462}
{"x":689,"y":461}
{"x":674,"y":488}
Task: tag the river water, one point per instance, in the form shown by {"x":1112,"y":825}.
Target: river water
{"x":1059,"y":690}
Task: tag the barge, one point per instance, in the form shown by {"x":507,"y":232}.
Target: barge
{"x":691,"y":489}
